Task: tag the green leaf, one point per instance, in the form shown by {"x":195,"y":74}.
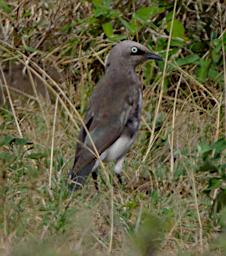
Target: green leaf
{"x":103,"y":8}
{"x":117,"y":38}
{"x":198,"y":47}
{"x":5,"y":7}
{"x":131,"y":26}
{"x":208,"y":166}
{"x":190,"y":59}
{"x":30,"y":49}
{"x":213,"y":73}
{"x":68,"y":26}
{"x":161,"y":44}
{"x":204,"y":150}
{"x":220,"y":145}
{"x":6,"y":156}
{"x":177,"y":42}
{"x":178,"y":28}
{"x":96,"y":2}
{"x":6,"y":140}
{"x":216,"y":50}
{"x":101,"y":2}
{"x":22,"y":141}
{"x":108,"y":29}
{"x":37,"y":155}
{"x":145,"y":13}
{"x":214,"y":183}
{"x":202,"y":72}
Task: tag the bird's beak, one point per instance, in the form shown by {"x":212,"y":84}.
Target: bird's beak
{"x":152,"y":56}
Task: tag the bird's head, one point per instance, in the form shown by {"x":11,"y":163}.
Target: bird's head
{"x":130,"y":54}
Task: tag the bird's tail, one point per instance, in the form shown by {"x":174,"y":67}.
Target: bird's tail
{"x":77,"y":179}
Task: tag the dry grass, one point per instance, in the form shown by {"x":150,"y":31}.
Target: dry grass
{"x":161,"y":207}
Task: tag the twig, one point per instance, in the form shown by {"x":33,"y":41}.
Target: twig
{"x":224,"y":63}
{"x":162,"y":86}
{"x":197,"y":210}
{"x":52,"y":144}
{"x":173,"y":127}
{"x":11,"y":104}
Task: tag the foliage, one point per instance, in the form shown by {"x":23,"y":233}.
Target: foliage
{"x":174,"y":178}
{"x":213,"y":165}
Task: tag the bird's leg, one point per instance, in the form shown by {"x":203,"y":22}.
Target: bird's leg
{"x":118,"y":169}
{"x":119,"y":178}
{"x":94,"y":175}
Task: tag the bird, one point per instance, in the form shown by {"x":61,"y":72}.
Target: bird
{"x":113,"y":115}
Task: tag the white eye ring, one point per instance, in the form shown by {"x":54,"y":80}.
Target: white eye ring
{"x":134,"y":49}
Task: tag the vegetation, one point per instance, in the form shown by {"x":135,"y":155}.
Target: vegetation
{"x":173,"y":198}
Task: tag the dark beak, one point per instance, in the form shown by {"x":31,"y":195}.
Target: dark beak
{"x":152,"y":56}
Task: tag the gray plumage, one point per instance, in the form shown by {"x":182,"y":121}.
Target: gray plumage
{"x":114,"y":112}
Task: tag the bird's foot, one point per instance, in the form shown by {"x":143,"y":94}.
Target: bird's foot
{"x":94,"y":175}
{"x":119,"y":177}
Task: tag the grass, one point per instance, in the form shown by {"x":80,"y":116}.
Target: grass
{"x":174,"y":173}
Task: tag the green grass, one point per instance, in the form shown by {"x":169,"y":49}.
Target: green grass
{"x":173,"y":197}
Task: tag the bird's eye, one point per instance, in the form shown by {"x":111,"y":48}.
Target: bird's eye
{"x":134,"y":49}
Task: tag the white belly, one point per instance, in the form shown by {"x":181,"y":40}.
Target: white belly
{"x":117,"y":149}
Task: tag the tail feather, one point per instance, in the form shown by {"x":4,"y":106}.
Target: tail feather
{"x":79,"y":178}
